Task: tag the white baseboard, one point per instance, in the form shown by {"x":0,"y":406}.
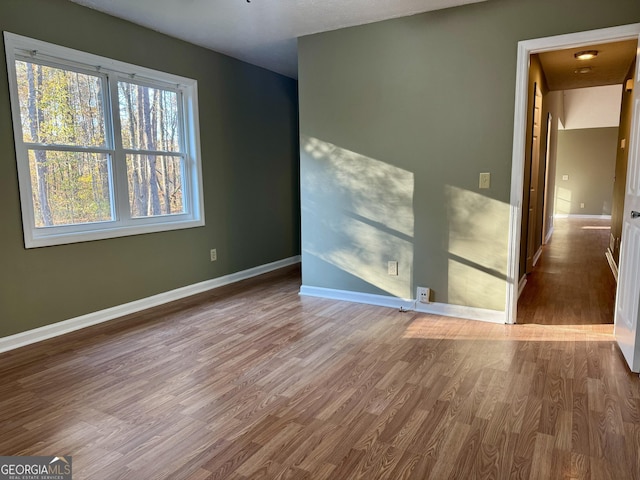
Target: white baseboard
{"x":575,"y":215}
{"x":548,"y":237}
{"x":521,"y":285}
{"x":60,"y":328}
{"x":537,"y":256}
{"x":459,"y":311}
{"x":612,"y":263}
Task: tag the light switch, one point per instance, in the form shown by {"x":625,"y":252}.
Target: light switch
{"x":565,"y":177}
{"x":485,"y":180}
{"x":623,"y":143}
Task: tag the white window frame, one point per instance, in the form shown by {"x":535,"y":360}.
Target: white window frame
{"x":123,"y":224}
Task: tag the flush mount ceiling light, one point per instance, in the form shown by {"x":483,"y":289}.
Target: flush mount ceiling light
{"x":583,"y":70}
{"x":586,"y":54}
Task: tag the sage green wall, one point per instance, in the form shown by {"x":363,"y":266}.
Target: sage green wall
{"x":588,"y":157}
{"x":249,"y":140}
{"x":622,"y":158}
{"x":397,"y":120}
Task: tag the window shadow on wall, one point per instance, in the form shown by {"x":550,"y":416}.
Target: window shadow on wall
{"x":357,"y":214}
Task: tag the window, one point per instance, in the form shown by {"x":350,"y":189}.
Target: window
{"x":104,"y":149}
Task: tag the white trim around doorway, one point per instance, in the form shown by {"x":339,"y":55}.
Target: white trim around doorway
{"x":525,"y":49}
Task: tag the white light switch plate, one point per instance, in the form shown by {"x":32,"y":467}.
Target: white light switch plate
{"x":485,"y":180}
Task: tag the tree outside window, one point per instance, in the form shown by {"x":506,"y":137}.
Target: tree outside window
{"x":104,"y":149}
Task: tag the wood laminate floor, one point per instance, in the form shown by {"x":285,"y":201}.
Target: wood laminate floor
{"x":255,"y":381}
{"x":572,"y":283}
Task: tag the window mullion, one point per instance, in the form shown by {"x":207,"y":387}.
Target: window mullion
{"x":184,"y":147}
{"x":160,"y":153}
{"x":119,"y":160}
{"x":67,"y":148}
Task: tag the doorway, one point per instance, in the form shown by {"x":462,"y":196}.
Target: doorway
{"x":518,"y":204}
{"x":569,"y":282}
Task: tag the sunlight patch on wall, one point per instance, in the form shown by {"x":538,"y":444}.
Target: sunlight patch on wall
{"x":478,"y":246}
{"x":563,"y":201}
{"x":475,"y":287}
{"x":358,"y":214}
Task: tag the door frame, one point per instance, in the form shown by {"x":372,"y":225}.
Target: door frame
{"x":525,"y":49}
{"x":531,"y":190}
{"x":546,"y":229}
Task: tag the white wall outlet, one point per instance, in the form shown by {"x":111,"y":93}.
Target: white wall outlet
{"x":392,"y":268}
{"x":485,"y":180}
{"x":565,"y":177}
{"x":423,"y":294}
{"x":214,"y":255}
{"x":582,"y":205}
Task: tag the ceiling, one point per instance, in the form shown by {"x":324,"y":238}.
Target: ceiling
{"x":261,"y":32}
{"x":609,"y":68}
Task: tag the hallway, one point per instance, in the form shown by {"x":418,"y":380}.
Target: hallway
{"x":572,"y":283}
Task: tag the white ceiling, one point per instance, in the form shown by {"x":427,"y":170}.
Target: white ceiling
{"x":261,"y":32}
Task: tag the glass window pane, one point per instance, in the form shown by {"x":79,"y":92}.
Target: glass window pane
{"x":59,"y":106}
{"x":69,"y":187}
{"x":149,"y":118}
{"x":155,"y":185}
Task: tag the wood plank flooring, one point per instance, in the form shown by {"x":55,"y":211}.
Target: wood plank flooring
{"x":572,"y":283}
{"x":255,"y":381}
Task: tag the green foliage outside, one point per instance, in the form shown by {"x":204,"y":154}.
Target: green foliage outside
{"x":63,"y":116}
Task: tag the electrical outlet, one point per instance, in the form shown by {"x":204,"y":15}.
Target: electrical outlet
{"x":582,"y":205}
{"x":392,"y":268}
{"x":214,"y":255}
{"x":423,"y":294}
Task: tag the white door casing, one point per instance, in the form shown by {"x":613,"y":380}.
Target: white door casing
{"x":547,"y":220}
{"x":628,"y":294}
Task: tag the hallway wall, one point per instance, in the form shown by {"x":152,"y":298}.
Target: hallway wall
{"x":588,"y":158}
{"x":622,"y":154}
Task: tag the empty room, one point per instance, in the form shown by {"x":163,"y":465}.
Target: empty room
{"x":312,"y":240}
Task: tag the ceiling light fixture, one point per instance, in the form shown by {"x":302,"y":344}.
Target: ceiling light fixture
{"x":586,"y":54}
{"x":583,"y":70}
